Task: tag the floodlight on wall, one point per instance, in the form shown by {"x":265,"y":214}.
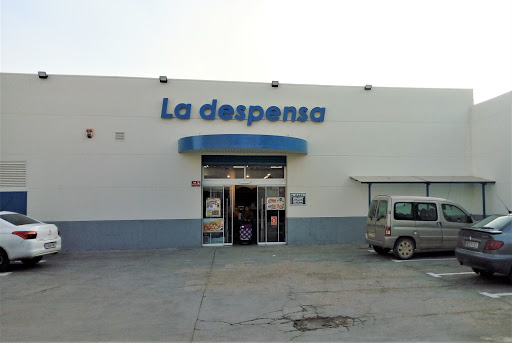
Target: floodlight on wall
{"x":163,"y":79}
{"x":368,"y":87}
{"x":275,"y":83}
{"x":42,"y":75}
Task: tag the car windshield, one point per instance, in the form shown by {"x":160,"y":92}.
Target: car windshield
{"x":17,"y":219}
{"x":495,"y":224}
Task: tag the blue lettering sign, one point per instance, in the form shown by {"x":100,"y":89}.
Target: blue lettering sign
{"x":164,"y":110}
{"x":253,"y":114}
{"x":240,"y":112}
{"x":207,"y":107}
{"x":321,"y":111}
{"x":179,"y":114}
{"x":226,"y":112}
{"x":251,"y":117}
{"x":287,"y":110}
{"x":273,"y":113}
{"x":303,"y":114}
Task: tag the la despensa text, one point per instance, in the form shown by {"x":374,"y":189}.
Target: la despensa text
{"x":252,"y":114}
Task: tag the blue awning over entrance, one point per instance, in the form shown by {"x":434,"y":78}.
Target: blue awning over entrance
{"x":242,"y":143}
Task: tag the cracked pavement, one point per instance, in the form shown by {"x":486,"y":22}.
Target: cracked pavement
{"x":249,"y":294}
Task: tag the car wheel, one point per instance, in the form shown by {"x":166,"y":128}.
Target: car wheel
{"x":381,"y":251}
{"x":31,"y":261}
{"x":404,"y":248}
{"x":482,"y":273}
{"x":4,"y":261}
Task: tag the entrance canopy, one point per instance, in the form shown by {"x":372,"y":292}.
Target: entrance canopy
{"x":427,"y":180}
{"x":242,"y":143}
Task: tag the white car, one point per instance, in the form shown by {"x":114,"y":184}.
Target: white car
{"x":25,"y":239}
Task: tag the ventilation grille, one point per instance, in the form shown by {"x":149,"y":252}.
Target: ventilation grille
{"x":13,"y":174}
{"x":119,"y":136}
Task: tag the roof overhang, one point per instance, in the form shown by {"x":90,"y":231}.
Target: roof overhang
{"x":242,"y":144}
{"x":426,"y":180}
{"x":421,"y":179}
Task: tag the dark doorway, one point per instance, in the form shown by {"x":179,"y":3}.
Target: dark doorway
{"x":245,"y":228}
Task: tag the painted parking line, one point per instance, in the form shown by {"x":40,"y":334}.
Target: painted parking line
{"x":446,"y":274}
{"x":425,"y":259}
{"x":4,"y":274}
{"x":495,"y":296}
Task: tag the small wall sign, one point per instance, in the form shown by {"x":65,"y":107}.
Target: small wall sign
{"x":298,"y":199}
{"x":196,"y":184}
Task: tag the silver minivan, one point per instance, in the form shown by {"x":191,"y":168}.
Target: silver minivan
{"x":406,"y":224}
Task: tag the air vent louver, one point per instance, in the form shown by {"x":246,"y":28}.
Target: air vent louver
{"x":13,"y":173}
{"x":119,"y":136}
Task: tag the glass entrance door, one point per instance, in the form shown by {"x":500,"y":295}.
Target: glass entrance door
{"x":213,"y":215}
{"x":272,"y":215}
{"x":218,"y":215}
{"x":223,"y":214}
{"x":245,"y":194}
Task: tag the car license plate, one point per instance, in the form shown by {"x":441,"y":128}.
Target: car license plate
{"x":470,"y":244}
{"x":50,"y":245}
{"x":371,"y":234}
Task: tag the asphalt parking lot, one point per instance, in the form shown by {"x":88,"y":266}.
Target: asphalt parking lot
{"x":250,"y":293}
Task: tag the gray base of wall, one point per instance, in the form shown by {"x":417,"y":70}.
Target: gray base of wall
{"x":186,"y":233}
{"x":130,"y":234}
{"x":328,"y":230}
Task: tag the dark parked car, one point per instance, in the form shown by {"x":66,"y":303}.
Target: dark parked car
{"x":486,"y":247}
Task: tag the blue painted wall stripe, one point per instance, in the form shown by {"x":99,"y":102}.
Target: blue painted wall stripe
{"x":13,"y":201}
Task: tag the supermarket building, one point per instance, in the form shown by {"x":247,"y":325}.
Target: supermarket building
{"x":140,"y":163}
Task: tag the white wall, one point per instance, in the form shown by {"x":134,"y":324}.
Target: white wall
{"x":491,"y":132}
{"x":385,"y":131}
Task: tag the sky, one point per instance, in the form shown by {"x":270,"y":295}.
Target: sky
{"x":385,"y":43}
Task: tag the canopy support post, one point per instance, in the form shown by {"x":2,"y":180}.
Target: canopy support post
{"x":483,"y":199}
{"x":369,"y":194}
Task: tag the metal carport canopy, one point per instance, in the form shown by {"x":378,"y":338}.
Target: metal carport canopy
{"x":427,"y":180}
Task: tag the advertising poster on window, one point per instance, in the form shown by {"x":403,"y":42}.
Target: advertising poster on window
{"x":273,"y":220}
{"x":212,"y":207}
{"x":275,"y":203}
{"x":213,"y":225}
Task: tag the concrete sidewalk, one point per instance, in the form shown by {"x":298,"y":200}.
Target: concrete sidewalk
{"x":248,"y":293}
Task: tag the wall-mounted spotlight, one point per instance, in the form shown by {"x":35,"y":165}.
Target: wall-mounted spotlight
{"x":42,"y":75}
{"x":89,"y":132}
{"x":163,"y":79}
{"x":275,"y":83}
{"x":368,"y":87}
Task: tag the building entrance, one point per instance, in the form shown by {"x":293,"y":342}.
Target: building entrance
{"x":244,"y":215}
{"x":245,"y":207}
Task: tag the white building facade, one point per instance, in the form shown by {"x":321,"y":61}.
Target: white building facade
{"x":175,"y":164}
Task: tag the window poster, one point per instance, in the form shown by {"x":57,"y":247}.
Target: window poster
{"x":275,"y":203}
{"x":213,"y":225}
{"x":273,"y":220}
{"x":212,"y":207}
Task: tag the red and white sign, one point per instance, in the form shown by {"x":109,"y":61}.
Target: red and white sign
{"x":196,"y":183}
{"x":273,"y":220}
